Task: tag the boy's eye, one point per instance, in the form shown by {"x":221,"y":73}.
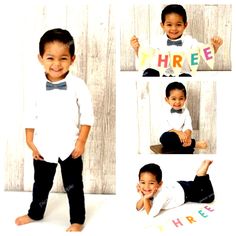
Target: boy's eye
{"x":49,"y":58}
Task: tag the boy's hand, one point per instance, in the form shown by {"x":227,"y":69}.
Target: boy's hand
{"x":79,"y":149}
{"x":187,"y":142}
{"x":216,"y":42}
{"x":36,"y":155}
{"x":139,"y":190}
{"x":135,"y":44}
{"x":151,"y":194}
{"x":182,"y":136}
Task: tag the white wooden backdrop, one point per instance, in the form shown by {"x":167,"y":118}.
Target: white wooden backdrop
{"x":201,"y":102}
{"x":205,"y":21}
{"x":93,"y":28}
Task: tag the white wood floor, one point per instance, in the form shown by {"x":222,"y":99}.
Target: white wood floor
{"x":108,"y":215}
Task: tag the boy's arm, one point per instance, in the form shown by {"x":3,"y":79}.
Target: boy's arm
{"x":147,"y":205}
{"x":29,"y":132}
{"x":188,"y":132}
{"x":81,"y":141}
{"x":182,"y":136}
{"x":139,"y":204}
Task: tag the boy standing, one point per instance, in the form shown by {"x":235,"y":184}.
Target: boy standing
{"x":57,"y":127}
{"x":174,"y":23}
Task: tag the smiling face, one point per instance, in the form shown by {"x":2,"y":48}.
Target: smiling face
{"x":176,"y":99}
{"x":174,"y":25}
{"x":148,"y":183}
{"x":56,"y":60}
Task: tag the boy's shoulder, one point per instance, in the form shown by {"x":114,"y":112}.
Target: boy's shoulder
{"x":71,"y":78}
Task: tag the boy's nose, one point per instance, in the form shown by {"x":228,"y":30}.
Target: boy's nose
{"x":56,"y":62}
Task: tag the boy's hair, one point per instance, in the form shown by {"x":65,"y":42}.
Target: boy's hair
{"x":153,"y":169}
{"x":173,"y":86}
{"x":60,"y":35}
{"x":173,"y":8}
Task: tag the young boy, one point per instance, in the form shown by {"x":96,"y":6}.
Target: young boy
{"x":58,"y":122}
{"x":176,"y":127}
{"x":173,"y":23}
{"x":155,"y":195}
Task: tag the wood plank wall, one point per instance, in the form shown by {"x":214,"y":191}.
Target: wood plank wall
{"x":93,"y":29}
{"x":204,"y":21}
{"x":201,"y":102}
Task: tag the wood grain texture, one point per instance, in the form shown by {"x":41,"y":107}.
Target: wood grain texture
{"x":204,"y":22}
{"x":93,"y":29}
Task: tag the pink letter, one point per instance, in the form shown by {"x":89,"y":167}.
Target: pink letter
{"x":165,"y":60}
{"x":177,"y":222}
{"x":208,"y":208}
{"x":207,"y":53}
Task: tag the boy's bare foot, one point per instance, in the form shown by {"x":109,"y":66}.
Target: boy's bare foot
{"x":202,"y":171}
{"x":75,"y":228}
{"x":22,"y":220}
{"x":201,"y":144}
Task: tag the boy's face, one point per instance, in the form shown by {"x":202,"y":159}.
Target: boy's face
{"x":148,"y":184}
{"x":174,"y":25}
{"x":176,"y":99}
{"x":56,"y":60}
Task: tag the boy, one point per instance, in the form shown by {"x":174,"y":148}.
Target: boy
{"x":155,"y":195}
{"x":58,"y":122}
{"x":173,"y":23}
{"x":176,"y":127}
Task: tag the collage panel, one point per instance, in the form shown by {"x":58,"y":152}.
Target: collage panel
{"x":193,"y":45}
{"x":200,"y":48}
{"x":75,"y":45}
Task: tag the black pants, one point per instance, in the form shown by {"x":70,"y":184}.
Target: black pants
{"x":171,"y":142}
{"x":44,"y":172}
{"x":200,"y":190}
{"x":149,"y":72}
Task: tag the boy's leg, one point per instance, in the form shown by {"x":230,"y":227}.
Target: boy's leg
{"x":44,"y":173}
{"x":43,"y":180}
{"x":171,"y":141}
{"x":71,"y":170}
{"x":201,"y":189}
{"x":188,"y":149}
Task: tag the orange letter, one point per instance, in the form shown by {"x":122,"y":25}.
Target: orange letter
{"x":190,"y":219}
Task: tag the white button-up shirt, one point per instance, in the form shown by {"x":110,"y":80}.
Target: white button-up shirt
{"x":178,"y":121}
{"x":56,"y":116}
{"x":169,"y":196}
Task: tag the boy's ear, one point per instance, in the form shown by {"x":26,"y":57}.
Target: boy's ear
{"x":166,"y":99}
{"x":161,"y":24}
{"x":186,"y":24}
{"x":73,"y":59}
{"x":40,"y":58}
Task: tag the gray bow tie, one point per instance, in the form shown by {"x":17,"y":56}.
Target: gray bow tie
{"x":176,"y":111}
{"x":176,"y":43}
{"x":51,"y":86}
